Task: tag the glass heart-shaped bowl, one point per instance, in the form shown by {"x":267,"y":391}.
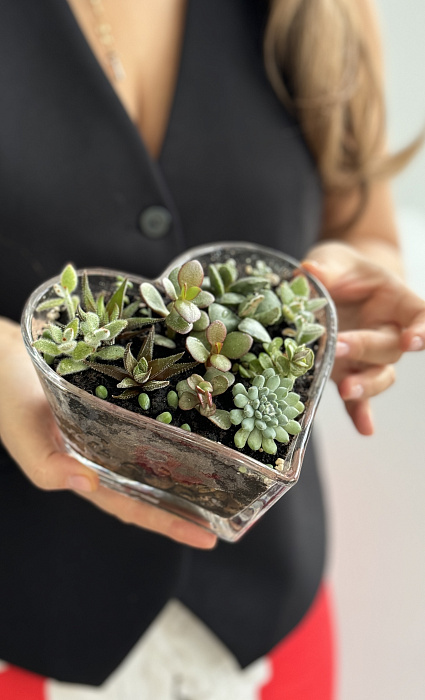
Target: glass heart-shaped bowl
{"x":198,"y":479}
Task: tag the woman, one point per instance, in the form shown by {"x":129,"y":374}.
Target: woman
{"x":128,"y":134}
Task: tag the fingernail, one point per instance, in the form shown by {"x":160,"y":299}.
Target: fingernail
{"x":342,"y":349}
{"x":77,"y":482}
{"x":356,"y":392}
{"x":416,"y":343}
{"x":312,"y":263}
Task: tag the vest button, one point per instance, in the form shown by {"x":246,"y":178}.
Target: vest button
{"x":155,"y":221}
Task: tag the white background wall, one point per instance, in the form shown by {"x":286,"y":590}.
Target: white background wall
{"x":375,"y":487}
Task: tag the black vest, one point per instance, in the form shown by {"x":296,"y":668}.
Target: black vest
{"x":77,"y":587}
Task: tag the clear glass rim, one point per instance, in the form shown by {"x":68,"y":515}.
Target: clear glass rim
{"x":327,"y":350}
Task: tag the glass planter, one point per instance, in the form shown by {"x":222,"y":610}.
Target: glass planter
{"x":201,"y":480}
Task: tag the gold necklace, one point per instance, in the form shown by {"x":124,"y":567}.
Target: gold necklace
{"x":103,"y":31}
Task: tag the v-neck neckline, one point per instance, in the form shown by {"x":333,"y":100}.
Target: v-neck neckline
{"x":115,"y":98}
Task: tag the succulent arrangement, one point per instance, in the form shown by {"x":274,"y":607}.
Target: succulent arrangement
{"x":222,"y":348}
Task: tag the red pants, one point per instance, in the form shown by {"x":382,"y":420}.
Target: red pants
{"x":303,"y":663}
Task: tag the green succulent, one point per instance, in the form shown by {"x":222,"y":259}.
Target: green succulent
{"x":115,"y":309}
{"x":58,"y":340}
{"x":251,"y":326}
{"x":197,"y":392}
{"x":266,"y":412}
{"x":265,"y":307}
{"x":294,"y":362}
{"x":217,"y":348}
{"x":300,"y":310}
{"x":143,"y":373}
{"x":262,"y":270}
{"x":93,"y":328}
{"x":64,"y":297}
{"x":228,"y":289}
{"x":183,"y":287}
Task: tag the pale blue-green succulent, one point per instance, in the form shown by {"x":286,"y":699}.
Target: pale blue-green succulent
{"x":266,"y":412}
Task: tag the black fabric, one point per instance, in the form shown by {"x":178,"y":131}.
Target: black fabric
{"x":77,"y":587}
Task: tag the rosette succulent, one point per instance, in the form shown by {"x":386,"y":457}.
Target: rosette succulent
{"x":266,"y":412}
{"x":143,"y":373}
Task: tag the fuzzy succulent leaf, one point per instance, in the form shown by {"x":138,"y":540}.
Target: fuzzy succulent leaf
{"x":249,"y":305}
{"x":197,"y":349}
{"x":46,"y":346}
{"x":218,"y":312}
{"x":249,"y":285}
{"x":216,"y":281}
{"x":220,"y":362}
{"x":177,"y":323}
{"x":230,"y":298}
{"x":115,"y":327}
{"x":70,"y":366}
{"x":187,"y":310}
{"x":164,"y":342}
{"x":131,"y":309}
{"x":269,"y":310}
{"x":255,"y":329}
{"x":300,"y":287}
{"x":49,"y":304}
{"x":147,"y":347}
{"x":82,"y":350}
{"x":216,"y":332}
{"x":69,"y":278}
{"x":316,"y":304}
{"x":169,"y":289}
{"x":213,"y":373}
{"x":117,"y":299}
{"x":202,"y":323}
{"x":203,"y":299}
{"x":188,"y":401}
{"x":173,"y":277}
{"x":153,"y":299}
{"x":191,"y":274}
{"x":111,"y":352}
{"x":236,"y":345}
{"x":221,"y":419}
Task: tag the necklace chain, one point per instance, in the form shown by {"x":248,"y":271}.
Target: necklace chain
{"x":106,"y":38}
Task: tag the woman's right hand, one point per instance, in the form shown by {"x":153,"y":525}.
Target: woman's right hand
{"x":29,"y":432}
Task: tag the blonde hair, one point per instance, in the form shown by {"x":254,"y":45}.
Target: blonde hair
{"x":324,"y":63}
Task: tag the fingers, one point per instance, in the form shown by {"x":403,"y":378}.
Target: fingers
{"x":375,"y":347}
{"x":368,"y":383}
{"x":361,"y":415}
{"x":413,"y":338}
{"x":133,"y":512}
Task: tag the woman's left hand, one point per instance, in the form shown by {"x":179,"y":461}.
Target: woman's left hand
{"x":379,"y":319}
